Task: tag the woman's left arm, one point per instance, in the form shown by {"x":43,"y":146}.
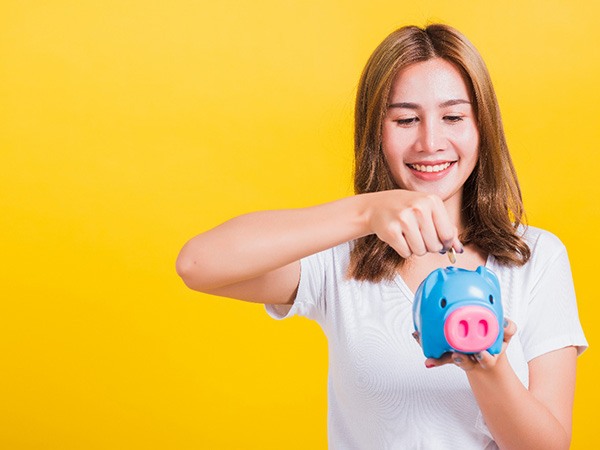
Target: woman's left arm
{"x":536,"y":418}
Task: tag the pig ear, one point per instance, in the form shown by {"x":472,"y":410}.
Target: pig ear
{"x":488,"y":274}
{"x":435,"y":277}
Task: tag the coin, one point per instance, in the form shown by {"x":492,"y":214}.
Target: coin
{"x":452,"y":255}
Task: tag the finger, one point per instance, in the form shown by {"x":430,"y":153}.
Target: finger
{"x":401,"y":246}
{"x":446,"y":358}
{"x":417,"y":338}
{"x":473,"y":358}
{"x":446,"y":230}
{"x":485,"y":359}
{"x":457,"y":245}
{"x":394,"y":237}
{"x":465,"y":362}
{"x":412,"y":232}
{"x":510,"y":329}
{"x":429,"y":234}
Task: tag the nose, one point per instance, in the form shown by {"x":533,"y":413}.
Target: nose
{"x":471,"y":329}
{"x":431,"y":136}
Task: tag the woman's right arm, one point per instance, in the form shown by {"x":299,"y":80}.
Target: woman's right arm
{"x":255,"y":257}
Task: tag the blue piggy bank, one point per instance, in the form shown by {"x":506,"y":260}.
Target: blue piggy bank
{"x":458,"y":310}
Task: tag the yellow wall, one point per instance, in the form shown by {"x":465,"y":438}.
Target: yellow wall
{"x":128,"y":127}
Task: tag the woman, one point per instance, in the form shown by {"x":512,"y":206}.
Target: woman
{"x":432,"y":173}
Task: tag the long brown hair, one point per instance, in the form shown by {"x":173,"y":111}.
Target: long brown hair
{"x":492,"y":205}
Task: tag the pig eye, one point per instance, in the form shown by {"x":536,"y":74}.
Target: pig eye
{"x":443,"y":302}
{"x":492,"y":299}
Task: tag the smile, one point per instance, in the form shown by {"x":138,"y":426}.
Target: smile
{"x":430,"y":168}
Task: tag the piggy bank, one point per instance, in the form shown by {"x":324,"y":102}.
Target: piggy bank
{"x":458,"y":310}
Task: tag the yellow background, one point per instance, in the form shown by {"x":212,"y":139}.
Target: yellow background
{"x":126,"y":127}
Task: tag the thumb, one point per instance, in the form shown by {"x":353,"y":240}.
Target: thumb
{"x":457,"y":245}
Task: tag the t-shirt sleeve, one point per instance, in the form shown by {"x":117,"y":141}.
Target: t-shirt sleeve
{"x":309,"y":301}
{"x":553,"y":320}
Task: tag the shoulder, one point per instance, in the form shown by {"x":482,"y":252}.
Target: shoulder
{"x":327,"y":266}
{"x":543,"y":243}
{"x":334,"y":256}
{"x":546,"y":249}
{"x":549,"y":259}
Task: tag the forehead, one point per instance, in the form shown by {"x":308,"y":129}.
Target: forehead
{"x":432,"y":80}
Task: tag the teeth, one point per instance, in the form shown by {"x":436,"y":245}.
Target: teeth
{"x":436,"y":168}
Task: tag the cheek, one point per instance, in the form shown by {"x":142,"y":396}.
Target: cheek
{"x":385,"y":140}
{"x":393,"y":158}
{"x":387,"y":147}
{"x":475,"y":139}
{"x":392,"y":145}
{"x":470,"y":143}
{"x":472,"y":154}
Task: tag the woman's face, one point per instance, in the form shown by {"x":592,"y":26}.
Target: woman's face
{"x":430,"y":137}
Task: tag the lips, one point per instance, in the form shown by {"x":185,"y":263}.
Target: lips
{"x":431,"y":167}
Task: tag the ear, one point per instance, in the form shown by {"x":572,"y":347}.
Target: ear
{"x":435,"y":277}
{"x":488,"y":275}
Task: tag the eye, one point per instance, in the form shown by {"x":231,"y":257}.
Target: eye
{"x":407,"y":121}
{"x":453,"y":119}
{"x":443,"y":302}
{"x":491,"y":299}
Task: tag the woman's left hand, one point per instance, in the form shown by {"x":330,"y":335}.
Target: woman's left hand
{"x":481,"y":361}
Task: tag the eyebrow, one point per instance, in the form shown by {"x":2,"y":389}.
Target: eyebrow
{"x":409,"y":105}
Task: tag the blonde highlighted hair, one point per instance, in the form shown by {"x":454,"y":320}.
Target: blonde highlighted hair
{"x":492,"y":204}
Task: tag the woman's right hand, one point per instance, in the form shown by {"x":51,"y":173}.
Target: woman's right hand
{"x":412,"y":223}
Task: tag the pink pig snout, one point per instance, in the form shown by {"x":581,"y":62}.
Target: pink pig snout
{"x":471,"y":329}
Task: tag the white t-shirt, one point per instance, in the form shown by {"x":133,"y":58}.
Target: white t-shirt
{"x":380,"y":394}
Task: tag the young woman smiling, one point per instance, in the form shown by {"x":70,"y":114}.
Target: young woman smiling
{"x":432,"y":172}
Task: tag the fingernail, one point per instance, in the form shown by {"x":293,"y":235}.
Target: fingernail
{"x":461,"y":250}
{"x":458,"y":360}
{"x":429,"y":366}
{"x":505,"y":323}
{"x":442,"y":251}
{"x":415,"y":335}
{"x":479,"y":356}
